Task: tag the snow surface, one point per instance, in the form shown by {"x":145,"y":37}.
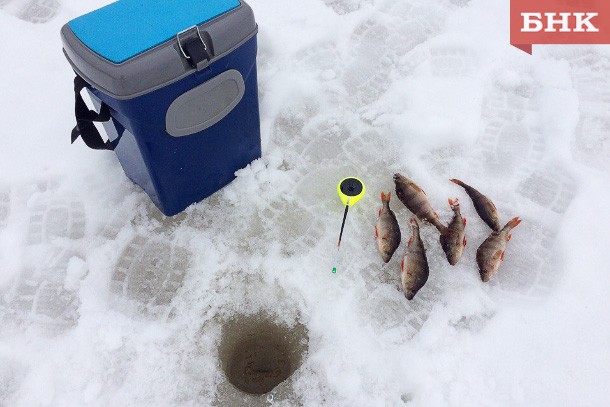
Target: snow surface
{"x":106,"y":302}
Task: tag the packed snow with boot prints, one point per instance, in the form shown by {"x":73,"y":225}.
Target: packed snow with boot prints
{"x":106,"y":302}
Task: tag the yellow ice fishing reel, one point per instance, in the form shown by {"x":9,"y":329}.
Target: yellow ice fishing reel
{"x":350,"y":191}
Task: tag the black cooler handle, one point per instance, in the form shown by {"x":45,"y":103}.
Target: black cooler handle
{"x":85,"y":118}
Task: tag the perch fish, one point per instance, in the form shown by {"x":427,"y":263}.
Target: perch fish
{"x":491,"y":252}
{"x":482,"y":204}
{"x":415,"y":199}
{"x":414,"y":268}
{"x":387,"y":231}
{"x":453,"y":243}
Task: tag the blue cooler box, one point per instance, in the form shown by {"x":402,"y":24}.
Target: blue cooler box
{"x":175,"y":85}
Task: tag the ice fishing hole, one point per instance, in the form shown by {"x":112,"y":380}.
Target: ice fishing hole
{"x":257,"y":354}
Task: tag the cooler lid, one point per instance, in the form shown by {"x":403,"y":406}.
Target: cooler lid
{"x":126,"y":28}
{"x":133,"y":47}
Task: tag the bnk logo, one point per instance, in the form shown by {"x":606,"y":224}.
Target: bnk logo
{"x":533,"y":23}
{"x":559,"y":22}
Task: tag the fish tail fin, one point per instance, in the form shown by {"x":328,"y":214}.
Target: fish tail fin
{"x":386,"y":198}
{"x":454,"y":203}
{"x":512,"y":223}
{"x":457,"y":181}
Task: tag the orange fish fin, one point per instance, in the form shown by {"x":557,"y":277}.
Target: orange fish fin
{"x":509,"y":237}
{"x":376,"y":233}
{"x":502,"y":256}
{"x":402,"y":265}
{"x":410,"y":241}
{"x":464,"y":220}
{"x":379,"y":212}
{"x":450,"y":202}
{"x":464,"y":241}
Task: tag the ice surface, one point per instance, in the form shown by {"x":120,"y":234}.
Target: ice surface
{"x":150,"y":270}
{"x":104,"y":301}
{"x":56,"y":218}
{"x":346,"y":6}
{"x":32,"y":11}
{"x":5,"y":202}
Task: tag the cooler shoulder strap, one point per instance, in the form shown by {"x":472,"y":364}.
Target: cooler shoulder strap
{"x":85,"y":118}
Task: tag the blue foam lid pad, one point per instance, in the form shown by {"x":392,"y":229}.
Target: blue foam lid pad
{"x":126,"y":28}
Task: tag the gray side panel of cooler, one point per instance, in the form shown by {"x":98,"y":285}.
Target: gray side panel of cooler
{"x":205,"y":105}
{"x":160,"y":66}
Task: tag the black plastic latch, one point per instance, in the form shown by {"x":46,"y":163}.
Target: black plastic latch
{"x":194,"y":49}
